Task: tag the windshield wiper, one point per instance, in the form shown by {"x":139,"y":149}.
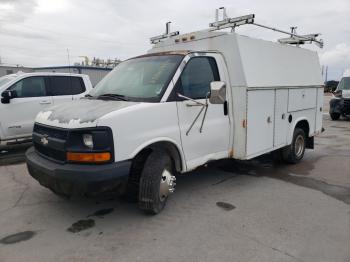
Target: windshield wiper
{"x":113,"y":96}
{"x":88,"y":95}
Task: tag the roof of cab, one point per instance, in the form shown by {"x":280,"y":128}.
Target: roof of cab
{"x":177,"y":52}
{"x":47,"y":74}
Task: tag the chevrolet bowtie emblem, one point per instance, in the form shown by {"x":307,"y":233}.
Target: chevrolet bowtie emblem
{"x":44,"y":141}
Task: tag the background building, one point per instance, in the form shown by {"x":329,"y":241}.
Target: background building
{"x":7,"y":70}
{"x":95,"y":73}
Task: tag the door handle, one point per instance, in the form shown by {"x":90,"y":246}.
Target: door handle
{"x":45,"y":102}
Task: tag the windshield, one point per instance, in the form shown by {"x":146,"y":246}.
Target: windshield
{"x":5,"y":79}
{"x":139,"y":79}
{"x":344,"y":84}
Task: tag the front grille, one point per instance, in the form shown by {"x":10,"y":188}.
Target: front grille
{"x":346,"y":102}
{"x":347,"y":106}
{"x":55,"y":148}
{"x":50,"y":152}
{"x":51,"y":131}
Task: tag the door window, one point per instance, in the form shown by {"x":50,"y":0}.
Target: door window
{"x":196,"y":78}
{"x":66,"y":85}
{"x":30,"y":87}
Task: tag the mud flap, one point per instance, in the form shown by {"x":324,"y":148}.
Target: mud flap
{"x":310,"y":143}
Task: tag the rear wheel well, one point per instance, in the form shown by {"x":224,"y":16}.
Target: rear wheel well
{"x":304,"y":125}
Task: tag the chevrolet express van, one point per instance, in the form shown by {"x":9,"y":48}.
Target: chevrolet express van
{"x":193,"y":98}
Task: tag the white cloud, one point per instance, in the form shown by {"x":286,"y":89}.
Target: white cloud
{"x":51,"y":6}
{"x":340,"y":54}
{"x":337,"y":59}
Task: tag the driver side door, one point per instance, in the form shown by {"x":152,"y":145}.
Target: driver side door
{"x":204,"y":130}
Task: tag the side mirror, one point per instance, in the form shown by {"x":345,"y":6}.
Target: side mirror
{"x":338,"y":93}
{"x":7,"y":95}
{"x":217,"y":92}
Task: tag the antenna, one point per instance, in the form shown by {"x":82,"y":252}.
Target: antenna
{"x":70,"y":73}
{"x":68,"y":60}
{"x":157,"y":39}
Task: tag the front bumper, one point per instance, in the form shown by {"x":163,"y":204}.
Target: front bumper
{"x":78,"y":179}
{"x":339,"y":106}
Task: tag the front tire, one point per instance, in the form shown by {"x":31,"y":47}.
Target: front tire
{"x":334,"y":116}
{"x":157,"y":182}
{"x":293,"y":153}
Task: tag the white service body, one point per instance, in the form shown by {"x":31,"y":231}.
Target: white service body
{"x":270,"y":88}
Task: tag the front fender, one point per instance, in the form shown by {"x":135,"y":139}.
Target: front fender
{"x":160,"y":140}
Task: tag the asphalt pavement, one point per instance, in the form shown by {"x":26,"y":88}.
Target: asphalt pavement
{"x":256,"y":210}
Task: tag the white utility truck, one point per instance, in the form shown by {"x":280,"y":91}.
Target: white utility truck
{"x":24,"y":95}
{"x":192,"y":99}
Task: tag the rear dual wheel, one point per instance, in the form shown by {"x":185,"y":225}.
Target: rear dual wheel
{"x":293,"y":153}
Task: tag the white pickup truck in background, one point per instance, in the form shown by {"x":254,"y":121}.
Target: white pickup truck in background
{"x":339,"y":105}
{"x":192,"y":99}
{"x":24,"y":95}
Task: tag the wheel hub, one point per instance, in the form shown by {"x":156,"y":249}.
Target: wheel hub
{"x":167,"y":184}
{"x":299,"y":145}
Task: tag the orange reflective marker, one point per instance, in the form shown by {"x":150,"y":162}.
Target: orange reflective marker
{"x":89,"y":157}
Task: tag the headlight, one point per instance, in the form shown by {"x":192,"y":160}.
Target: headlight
{"x":90,"y":145}
{"x":88,"y":140}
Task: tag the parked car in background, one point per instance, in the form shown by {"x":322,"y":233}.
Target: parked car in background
{"x":340,"y":102}
{"x":24,"y":95}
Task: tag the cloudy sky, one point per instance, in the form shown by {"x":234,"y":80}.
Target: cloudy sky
{"x":38,"y":32}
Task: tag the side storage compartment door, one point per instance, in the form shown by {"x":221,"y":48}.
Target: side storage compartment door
{"x":260,"y":119}
{"x":281,"y":122}
{"x":301,"y":98}
{"x":319,"y":112}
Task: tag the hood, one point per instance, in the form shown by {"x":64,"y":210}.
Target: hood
{"x":79,"y":113}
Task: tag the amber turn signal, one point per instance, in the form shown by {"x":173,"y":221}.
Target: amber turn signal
{"x":89,"y":157}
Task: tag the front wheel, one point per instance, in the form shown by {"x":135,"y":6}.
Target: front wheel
{"x":293,"y":153}
{"x":157,"y":182}
{"x":335,"y":116}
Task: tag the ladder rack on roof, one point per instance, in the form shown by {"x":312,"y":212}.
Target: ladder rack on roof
{"x":157,"y":39}
{"x":232,"y":23}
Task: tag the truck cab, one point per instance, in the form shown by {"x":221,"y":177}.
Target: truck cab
{"x":191,"y":99}
{"x":24,"y":95}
